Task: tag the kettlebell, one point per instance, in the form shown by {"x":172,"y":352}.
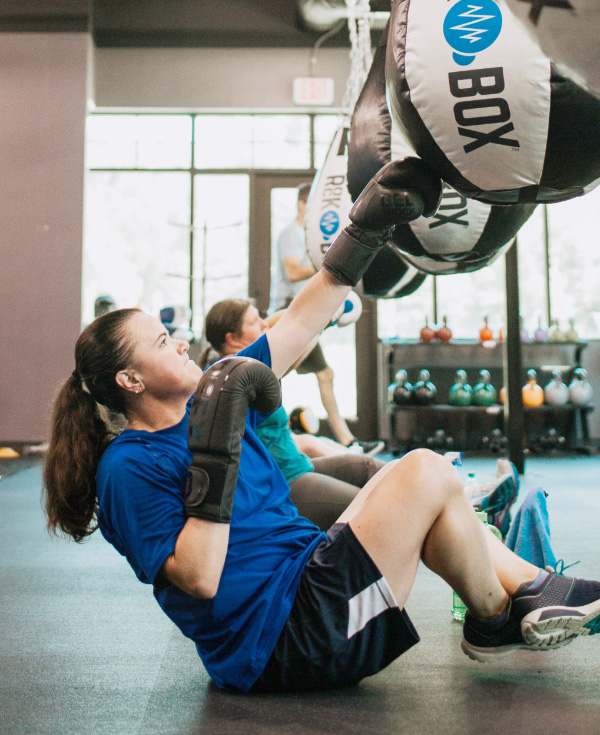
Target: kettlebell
{"x":427,"y":334}
{"x":484,"y":393}
{"x":402,"y":392}
{"x":444,"y":333}
{"x":555,"y":333}
{"x":556,"y":393}
{"x":571,"y":333}
{"x":532,"y":393}
{"x":580,"y":388}
{"x":485,"y":333}
{"x":424,"y":391}
{"x":461,"y":393}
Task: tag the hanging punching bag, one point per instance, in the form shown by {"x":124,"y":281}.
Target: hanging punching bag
{"x":329,"y":200}
{"x":567,"y":32}
{"x":479,"y":102}
{"x":464,"y":235}
{"x":326,"y":214}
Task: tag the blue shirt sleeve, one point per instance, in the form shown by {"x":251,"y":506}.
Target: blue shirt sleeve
{"x":259,"y":350}
{"x":145,"y":508}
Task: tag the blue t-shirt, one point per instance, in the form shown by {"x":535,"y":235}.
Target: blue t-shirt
{"x":275,"y":434}
{"x":140,"y":483}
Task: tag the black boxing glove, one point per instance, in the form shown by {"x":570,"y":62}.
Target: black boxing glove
{"x":216,"y":427}
{"x":399,"y":192}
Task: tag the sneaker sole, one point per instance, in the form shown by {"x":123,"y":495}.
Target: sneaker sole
{"x":489,"y":655}
{"x":550,"y":627}
{"x":376,"y":450}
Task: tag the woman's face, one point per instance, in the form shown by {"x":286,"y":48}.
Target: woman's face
{"x":162,"y":363}
{"x":252,"y":327}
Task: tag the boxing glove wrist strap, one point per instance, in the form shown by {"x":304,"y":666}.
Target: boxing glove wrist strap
{"x":211,"y":488}
{"x":353,"y":252}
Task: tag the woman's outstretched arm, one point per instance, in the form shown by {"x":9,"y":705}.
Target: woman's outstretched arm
{"x":306,"y":317}
{"x":400,"y":192}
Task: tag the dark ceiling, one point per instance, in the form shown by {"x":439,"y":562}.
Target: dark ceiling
{"x":176,"y":23}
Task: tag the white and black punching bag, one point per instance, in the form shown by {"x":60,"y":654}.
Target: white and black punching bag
{"x":329,"y":200}
{"x":481,"y":104}
{"x":326,"y":214}
{"x":464,"y":235}
{"x":568,"y":32}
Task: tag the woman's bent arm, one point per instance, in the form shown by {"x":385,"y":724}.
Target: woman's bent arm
{"x":197,"y":562}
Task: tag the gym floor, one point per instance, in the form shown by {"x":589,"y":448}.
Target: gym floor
{"x":85,"y":649}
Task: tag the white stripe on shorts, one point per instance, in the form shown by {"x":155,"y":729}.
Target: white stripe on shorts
{"x":368,"y":604}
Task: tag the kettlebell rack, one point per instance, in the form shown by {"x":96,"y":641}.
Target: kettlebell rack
{"x":512,"y":425}
{"x":475,"y":427}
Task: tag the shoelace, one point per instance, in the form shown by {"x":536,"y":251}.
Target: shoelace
{"x":560,"y":567}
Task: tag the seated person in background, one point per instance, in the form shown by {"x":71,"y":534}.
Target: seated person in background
{"x":321,"y":487}
{"x":305,"y":425}
{"x":323,"y":475}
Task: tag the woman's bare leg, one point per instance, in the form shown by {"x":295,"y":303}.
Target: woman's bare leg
{"x":415,"y":509}
{"x":510,"y":568}
{"x":320,"y":446}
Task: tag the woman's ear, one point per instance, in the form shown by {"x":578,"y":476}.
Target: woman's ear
{"x":129,"y":381}
{"x":231,"y":342}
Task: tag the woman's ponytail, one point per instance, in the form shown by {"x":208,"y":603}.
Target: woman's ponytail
{"x":81,"y":425}
{"x":78,"y":437}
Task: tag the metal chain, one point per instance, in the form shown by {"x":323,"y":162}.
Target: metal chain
{"x":361,"y":58}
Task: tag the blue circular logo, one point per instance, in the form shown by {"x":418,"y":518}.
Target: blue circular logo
{"x":329,"y":223}
{"x":472,"y":27}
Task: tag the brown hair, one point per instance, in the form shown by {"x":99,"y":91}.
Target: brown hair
{"x":83,"y":424}
{"x":222,"y":318}
{"x":304,"y":191}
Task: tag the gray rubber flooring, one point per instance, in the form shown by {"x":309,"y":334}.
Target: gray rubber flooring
{"x":85,"y":649}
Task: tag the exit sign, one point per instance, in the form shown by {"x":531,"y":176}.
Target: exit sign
{"x":313,"y":91}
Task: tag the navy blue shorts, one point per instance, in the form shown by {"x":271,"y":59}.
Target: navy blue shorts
{"x":314,"y":362}
{"x":344,"y":624}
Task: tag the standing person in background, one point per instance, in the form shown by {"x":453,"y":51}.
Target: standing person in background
{"x":293,"y":271}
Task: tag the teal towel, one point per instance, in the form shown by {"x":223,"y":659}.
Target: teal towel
{"x":529,"y":535}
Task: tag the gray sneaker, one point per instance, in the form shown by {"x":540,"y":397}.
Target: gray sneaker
{"x":368,"y":448}
{"x":548,"y":613}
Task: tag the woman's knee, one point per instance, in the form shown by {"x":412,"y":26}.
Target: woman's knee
{"x":429,"y":472}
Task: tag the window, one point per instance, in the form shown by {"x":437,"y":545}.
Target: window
{"x":575,"y":263}
{"x":252,"y":141}
{"x":134,"y":251}
{"x":566,"y":291}
{"x":220,"y":241}
{"x":138,"y":141}
{"x":166,"y":222}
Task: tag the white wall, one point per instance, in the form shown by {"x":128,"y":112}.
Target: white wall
{"x":213,"y":78}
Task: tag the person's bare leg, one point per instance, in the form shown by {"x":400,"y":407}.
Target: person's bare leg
{"x":320,"y":446}
{"x":415,"y":509}
{"x":508,"y":566}
{"x":338,"y":425}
